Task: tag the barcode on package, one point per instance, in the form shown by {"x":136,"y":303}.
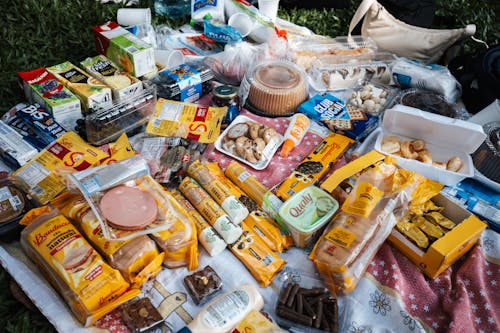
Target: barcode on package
{"x":268,"y":260}
{"x":131,"y":49}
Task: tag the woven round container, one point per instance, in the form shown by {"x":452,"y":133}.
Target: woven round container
{"x":277,"y":88}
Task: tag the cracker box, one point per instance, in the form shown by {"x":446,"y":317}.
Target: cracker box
{"x":92,"y":93}
{"x":42,"y":87}
{"x":315,"y":165}
{"x":124,"y":48}
{"x":441,"y":253}
{"x":122,"y":83}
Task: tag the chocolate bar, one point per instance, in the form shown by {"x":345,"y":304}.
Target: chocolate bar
{"x":202,"y":284}
{"x":140,"y":314}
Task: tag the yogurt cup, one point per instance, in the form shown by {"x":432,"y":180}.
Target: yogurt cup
{"x":306,"y":212}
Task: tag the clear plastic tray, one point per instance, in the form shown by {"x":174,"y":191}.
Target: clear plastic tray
{"x":334,"y":72}
{"x":127,"y":116}
{"x":373,"y":97}
{"x":267,"y":152}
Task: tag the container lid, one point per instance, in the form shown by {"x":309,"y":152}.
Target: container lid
{"x":455,"y":134}
{"x":225,"y":92}
{"x":309,"y":209}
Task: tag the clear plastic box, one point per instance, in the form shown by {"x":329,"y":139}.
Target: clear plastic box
{"x":332,"y":72}
{"x":127,"y":116}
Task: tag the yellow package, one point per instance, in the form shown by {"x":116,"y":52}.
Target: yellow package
{"x":315,"y":165}
{"x":137,"y":259}
{"x":257,"y":257}
{"x":39,"y":176}
{"x":179,"y":241}
{"x":256,"y":322}
{"x":258,"y":220}
{"x":90,"y":287}
{"x":186,"y":120}
{"x":118,"y":150}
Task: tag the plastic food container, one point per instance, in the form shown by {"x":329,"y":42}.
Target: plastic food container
{"x":431,"y":102}
{"x":445,"y":138}
{"x":249,"y":142}
{"x":15,"y":203}
{"x":306,"y":212}
{"x":276,"y":88}
{"x":339,"y":71}
{"x":373,"y":98}
{"x":127,"y":116}
{"x":487,"y":157}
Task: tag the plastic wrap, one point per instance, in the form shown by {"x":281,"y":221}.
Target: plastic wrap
{"x":487,"y":157}
{"x":431,"y":102}
{"x":373,"y":98}
{"x":202,"y":285}
{"x":132,"y":175}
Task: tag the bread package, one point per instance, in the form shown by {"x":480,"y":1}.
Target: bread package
{"x":89,"y":285}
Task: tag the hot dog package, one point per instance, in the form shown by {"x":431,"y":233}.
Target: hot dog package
{"x":137,"y":259}
{"x":87,"y":283}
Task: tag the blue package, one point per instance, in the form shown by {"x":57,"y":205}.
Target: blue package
{"x":41,"y":121}
{"x":324,"y":107}
{"x":189,"y":81}
{"x":25,"y":129}
{"x":221,"y":32}
{"x":489,"y":195}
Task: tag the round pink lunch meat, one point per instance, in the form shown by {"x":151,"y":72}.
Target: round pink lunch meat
{"x":128,"y":208}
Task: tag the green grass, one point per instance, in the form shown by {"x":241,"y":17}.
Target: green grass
{"x":37,"y":33}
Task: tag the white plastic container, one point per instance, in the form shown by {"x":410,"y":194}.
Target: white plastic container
{"x":306,"y":212}
{"x":445,"y":137}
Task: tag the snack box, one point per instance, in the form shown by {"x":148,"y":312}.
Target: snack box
{"x":265,"y":142}
{"x":444,"y":251}
{"x":124,"y":48}
{"x":92,"y":93}
{"x":104,"y":70}
{"x":445,"y":138}
{"x":42,"y":87}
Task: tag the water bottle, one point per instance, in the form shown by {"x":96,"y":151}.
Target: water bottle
{"x":173,"y":8}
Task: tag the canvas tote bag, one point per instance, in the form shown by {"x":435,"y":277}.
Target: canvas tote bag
{"x":393,"y":35}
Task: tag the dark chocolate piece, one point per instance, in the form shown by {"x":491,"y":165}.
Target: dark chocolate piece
{"x":294,"y":316}
{"x":319,"y":315}
{"x":324,"y":324}
{"x":293,"y":293}
{"x":140,"y":314}
{"x":285,"y":293}
{"x":308,"y":309}
{"x":300,"y":303}
{"x":313,"y":291}
{"x":202,"y":284}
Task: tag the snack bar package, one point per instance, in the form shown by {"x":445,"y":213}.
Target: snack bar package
{"x":42,"y":87}
{"x":259,"y":259}
{"x":210,"y":210}
{"x":41,"y":178}
{"x":258,"y":220}
{"x":89,"y":286}
{"x":14,"y":150}
{"x":185,"y":120}
{"x":92,"y":93}
{"x":122,"y":83}
{"x":124,"y":48}
{"x":124,"y":197}
{"x":137,"y":259}
{"x":207,"y":235}
{"x":219,"y":191}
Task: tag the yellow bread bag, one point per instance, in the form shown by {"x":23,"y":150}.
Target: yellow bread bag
{"x":137,"y":259}
{"x":89,"y":285}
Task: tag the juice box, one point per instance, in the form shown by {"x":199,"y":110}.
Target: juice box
{"x":122,"y":83}
{"x":42,"y":87}
{"x":92,"y":93}
{"x":124,"y":48}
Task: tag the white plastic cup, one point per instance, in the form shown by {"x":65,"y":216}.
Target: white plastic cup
{"x":169,"y":58}
{"x":242,"y":23}
{"x":269,"y":8}
{"x":133,"y":16}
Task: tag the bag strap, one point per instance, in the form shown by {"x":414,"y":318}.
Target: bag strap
{"x":360,"y":13}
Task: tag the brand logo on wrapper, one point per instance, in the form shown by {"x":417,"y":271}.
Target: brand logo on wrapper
{"x":40,"y":238}
{"x":301,"y":206}
{"x":37,"y":113}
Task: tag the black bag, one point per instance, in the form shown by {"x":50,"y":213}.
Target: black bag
{"x":479,"y":75}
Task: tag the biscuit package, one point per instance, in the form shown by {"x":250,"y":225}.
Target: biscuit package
{"x":186,"y":120}
{"x":137,"y":259}
{"x":89,"y":286}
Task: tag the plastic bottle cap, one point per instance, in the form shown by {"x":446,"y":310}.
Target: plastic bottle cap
{"x":287,"y":147}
